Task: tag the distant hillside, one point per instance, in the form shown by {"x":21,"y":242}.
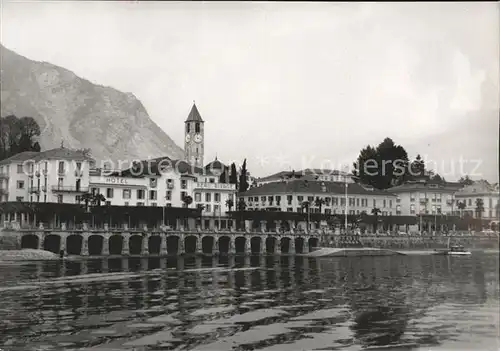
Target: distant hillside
{"x":115,"y":125}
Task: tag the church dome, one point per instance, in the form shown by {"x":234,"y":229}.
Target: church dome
{"x":216,"y":167}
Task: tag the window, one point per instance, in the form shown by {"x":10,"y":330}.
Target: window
{"x":212,"y":180}
{"x":61,"y":167}
{"x":374,"y":203}
{"x":170,"y":183}
{"x":126,"y":193}
{"x":140,"y":194}
{"x":208,"y":208}
{"x":216,"y":209}
{"x":59,"y":199}
{"x":20,"y":169}
{"x":109,"y":193}
{"x":289,"y":209}
{"x":470,"y":202}
{"x":108,"y":203}
{"x":335,"y":201}
{"x":183,"y":195}
{"x":300,"y":198}
{"x":357,"y":202}
{"x":20,"y":198}
{"x":188,"y":127}
{"x":168,"y":195}
{"x":126,"y":203}
{"x":208,"y":197}
{"x":217,"y":197}
{"x":153,"y":204}
{"x":140,"y":204}
{"x":390,"y":203}
{"x":310,"y":198}
{"x":152,"y":194}
{"x":278,"y":200}
{"x":384,"y":203}
{"x":153,"y":182}
{"x":79,"y":166}
{"x":342,"y":201}
{"x":20,"y":184}
{"x":197,"y":197}
{"x":183,"y":184}
{"x":197,"y":127}
{"x":60,"y":182}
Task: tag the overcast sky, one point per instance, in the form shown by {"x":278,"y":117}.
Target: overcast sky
{"x":291,"y":84}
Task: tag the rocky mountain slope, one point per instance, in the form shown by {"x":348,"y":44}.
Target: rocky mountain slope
{"x":115,"y":125}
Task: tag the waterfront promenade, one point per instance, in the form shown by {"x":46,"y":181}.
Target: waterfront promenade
{"x":107,"y":241}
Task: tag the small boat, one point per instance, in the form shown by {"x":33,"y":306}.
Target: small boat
{"x":458,"y":250}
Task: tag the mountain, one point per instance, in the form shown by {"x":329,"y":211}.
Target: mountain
{"x":113,"y":124}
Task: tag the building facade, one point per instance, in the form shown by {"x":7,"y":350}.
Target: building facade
{"x":425,"y":197}
{"x":310,"y":174}
{"x":57,"y":175}
{"x":487,"y":207}
{"x":63,"y":176}
{"x":322,"y":197}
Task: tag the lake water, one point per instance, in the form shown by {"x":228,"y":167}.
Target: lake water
{"x":252,"y":303}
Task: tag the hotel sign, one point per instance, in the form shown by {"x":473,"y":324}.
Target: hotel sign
{"x":116,"y":180}
{"x":216,"y":186}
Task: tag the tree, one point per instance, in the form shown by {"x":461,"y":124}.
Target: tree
{"x":479,"y":207}
{"x":233,"y":176}
{"x":188,"y":200}
{"x":382,"y":167}
{"x":224,"y":176}
{"x":375,"y":211}
{"x":319,"y":202}
{"x":243,"y":177}
{"x":465,"y":181}
{"x":417,"y":168}
{"x":229,"y":204}
{"x":18,"y":135}
{"x":461,"y":206}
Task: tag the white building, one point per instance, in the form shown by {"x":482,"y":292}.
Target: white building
{"x":425,"y":197}
{"x":488,"y":193}
{"x":57,"y":175}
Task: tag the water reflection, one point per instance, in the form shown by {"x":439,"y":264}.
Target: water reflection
{"x":258,"y":302}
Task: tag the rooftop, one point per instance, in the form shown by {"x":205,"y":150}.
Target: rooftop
{"x":302,"y":173}
{"x":312,"y":187}
{"x":426,"y":184}
{"x":53,"y":154}
{"x":194,"y":115}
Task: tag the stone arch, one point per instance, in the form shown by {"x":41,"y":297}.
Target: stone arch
{"x":135,"y":244}
{"x":313,"y":243}
{"x":207,"y":243}
{"x":30,"y":241}
{"x":96,"y":243}
{"x":270,"y":244}
{"x":224,"y":244}
{"x":115,"y":244}
{"x":52,"y":243}
{"x":190,"y":243}
{"x":173,"y":244}
{"x":255,"y":244}
{"x":239,"y":244}
{"x":154,"y":244}
{"x":285,"y":244}
{"x":299,"y":245}
{"x":74,"y":244}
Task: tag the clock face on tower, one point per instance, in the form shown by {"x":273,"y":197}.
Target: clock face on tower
{"x":188,"y":138}
{"x":198,"y":138}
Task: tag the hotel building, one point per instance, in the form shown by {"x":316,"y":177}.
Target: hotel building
{"x":488,"y":193}
{"x":63,"y":175}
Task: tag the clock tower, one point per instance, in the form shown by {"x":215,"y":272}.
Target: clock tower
{"x":194,"y":138}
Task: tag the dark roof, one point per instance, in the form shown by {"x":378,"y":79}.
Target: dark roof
{"x":301,"y":173}
{"x":155,"y":167}
{"x":426,"y":185}
{"x":315,"y":187}
{"x":216,"y":164}
{"x":194,"y":115}
{"x":53,"y":154}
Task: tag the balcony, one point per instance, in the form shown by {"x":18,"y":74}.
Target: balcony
{"x":4,"y":175}
{"x":424,"y":201}
{"x":34,"y":190}
{"x":78,"y":173}
{"x":69,"y":189}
